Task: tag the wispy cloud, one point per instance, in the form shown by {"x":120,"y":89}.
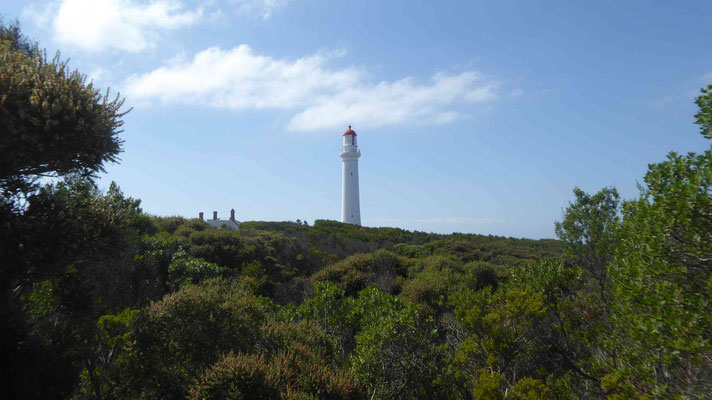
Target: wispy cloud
{"x":516,"y":93}
{"x":262,"y":8}
{"x":318,"y":96}
{"x":664,"y":101}
{"x":707,"y":78}
{"x":97,"y":73}
{"x":684,"y":92}
{"x":390,"y":103}
{"x":437,"y":221}
{"x":125,"y":25}
{"x":459,"y":220}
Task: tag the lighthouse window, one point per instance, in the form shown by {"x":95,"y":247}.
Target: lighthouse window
{"x":352,"y":174}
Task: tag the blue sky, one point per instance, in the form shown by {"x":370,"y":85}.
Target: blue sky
{"x":472,"y":116}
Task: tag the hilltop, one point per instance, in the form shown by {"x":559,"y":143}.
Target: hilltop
{"x":291,"y":253}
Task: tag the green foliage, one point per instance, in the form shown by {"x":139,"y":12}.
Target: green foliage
{"x":154,"y":255}
{"x":236,"y":377}
{"x":305,"y":363}
{"x":704,"y":116}
{"x":662,"y":282}
{"x":285,"y":376}
{"x":395,"y":349}
{"x":88,"y":245}
{"x":334,"y":240}
{"x":589,"y":230}
{"x":177,"y":338}
{"x":432,"y":280}
{"x":429,"y":289}
{"x":334,"y":315}
{"x":223,"y":247}
{"x":333,"y":229}
{"x":361,"y":270}
{"x":486,"y":385}
{"x":169,"y":224}
{"x":391,"y":349}
{"x":54,"y":123}
{"x":529,"y":389}
{"x":411,"y":250}
{"x":160,"y":248}
{"x":618,"y":388}
{"x":256,"y":279}
{"x":112,"y":328}
{"x":535,"y":334}
{"x":183,"y":271}
{"x":215,"y":340}
{"x":75,"y":246}
{"x":287,"y":227}
{"x":503,"y":332}
{"x":191,"y":225}
{"x":494,"y":249}
{"x":63,"y":238}
{"x":13,"y":35}
{"x":100,"y":373}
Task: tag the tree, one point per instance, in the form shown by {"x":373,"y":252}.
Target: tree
{"x":361,"y":270}
{"x":661,"y":282}
{"x":72,"y":261}
{"x":183,"y":271}
{"x":216,"y":340}
{"x":53,"y":123}
{"x":589,"y":232}
{"x":396,"y":356}
{"x":502,"y":340}
{"x":175,"y":339}
{"x":704,"y":116}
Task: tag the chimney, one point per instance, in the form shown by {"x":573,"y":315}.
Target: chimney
{"x":200,"y":215}
{"x":215,"y":215}
{"x":232,"y":215}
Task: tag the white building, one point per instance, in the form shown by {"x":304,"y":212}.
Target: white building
{"x":350,"y":208}
{"x":219,"y":223}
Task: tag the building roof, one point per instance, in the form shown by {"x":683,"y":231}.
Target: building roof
{"x":349,"y":132}
{"x":219,"y":223}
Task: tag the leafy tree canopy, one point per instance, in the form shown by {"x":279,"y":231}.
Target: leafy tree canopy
{"x":704,"y":116}
{"x":53,"y":122}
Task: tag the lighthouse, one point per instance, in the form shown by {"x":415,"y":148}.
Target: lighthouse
{"x":350,"y":208}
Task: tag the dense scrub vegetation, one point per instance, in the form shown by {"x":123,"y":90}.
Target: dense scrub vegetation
{"x":101,"y":301}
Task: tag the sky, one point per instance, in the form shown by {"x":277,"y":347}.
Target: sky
{"x":472,"y":116}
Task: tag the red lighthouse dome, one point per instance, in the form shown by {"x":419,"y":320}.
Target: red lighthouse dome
{"x":349,"y":131}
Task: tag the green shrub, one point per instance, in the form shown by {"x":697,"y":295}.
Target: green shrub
{"x":183,"y":271}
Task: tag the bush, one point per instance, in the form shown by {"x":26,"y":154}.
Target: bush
{"x":177,"y":338}
{"x":361,"y":270}
{"x":237,"y":377}
{"x":183,"y":271}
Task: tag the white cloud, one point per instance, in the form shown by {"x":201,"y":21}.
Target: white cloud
{"x":434,"y":221}
{"x":39,"y":15}
{"x":263,"y":8}
{"x":97,"y":73}
{"x":126,"y":25}
{"x":460,"y":220}
{"x":320,"y":97}
{"x":238,"y":79}
{"x":389,"y":103}
{"x":516,"y":93}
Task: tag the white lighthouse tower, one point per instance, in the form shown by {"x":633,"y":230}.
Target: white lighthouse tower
{"x":350,"y":208}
